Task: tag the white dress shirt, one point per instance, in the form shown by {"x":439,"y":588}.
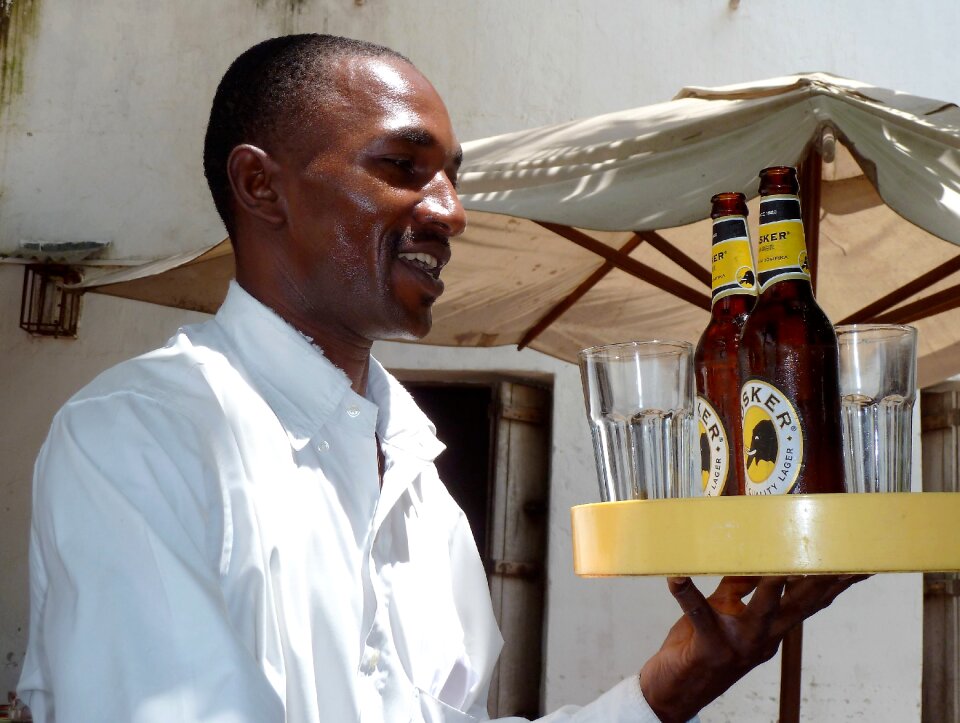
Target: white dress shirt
{"x":210,"y":543}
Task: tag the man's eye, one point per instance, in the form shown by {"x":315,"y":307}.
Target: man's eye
{"x":404,"y":164}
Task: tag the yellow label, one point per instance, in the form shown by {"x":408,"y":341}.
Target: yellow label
{"x":714,"y":450}
{"x":781,"y":246}
{"x":733,"y":269}
{"x":732,"y":258}
{"x":772,"y":439}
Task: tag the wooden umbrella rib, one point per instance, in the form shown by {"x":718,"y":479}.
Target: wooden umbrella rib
{"x":574,"y":296}
{"x":872,"y":311}
{"x":677,"y":256}
{"x":937,"y":303}
{"x":629,"y":265}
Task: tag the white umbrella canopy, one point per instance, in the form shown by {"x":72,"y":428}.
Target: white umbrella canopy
{"x":549,"y":207}
{"x":655,"y":169}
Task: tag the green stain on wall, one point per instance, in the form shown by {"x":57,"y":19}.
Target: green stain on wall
{"x":285,"y":12}
{"x":19,"y":20}
{"x":290,"y":6}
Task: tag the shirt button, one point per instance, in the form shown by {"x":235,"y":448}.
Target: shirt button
{"x":370,"y":663}
{"x":323,"y":445}
{"x":353,"y":411}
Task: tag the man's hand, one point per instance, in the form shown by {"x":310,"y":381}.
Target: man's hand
{"x":720,"y":638}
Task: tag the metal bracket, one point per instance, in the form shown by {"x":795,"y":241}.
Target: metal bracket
{"x":48,"y":307}
{"x":531,"y":415}
{"x":943,"y":420}
{"x":941,"y":586}
{"x":510,"y":568}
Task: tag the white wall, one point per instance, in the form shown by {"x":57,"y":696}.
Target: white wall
{"x":103,"y":142}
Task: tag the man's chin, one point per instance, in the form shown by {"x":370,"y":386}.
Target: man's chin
{"x":411,"y":331}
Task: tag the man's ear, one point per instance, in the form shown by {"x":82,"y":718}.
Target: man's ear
{"x":254,"y":178}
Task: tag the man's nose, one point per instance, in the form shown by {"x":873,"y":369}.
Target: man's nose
{"x":441,"y":206}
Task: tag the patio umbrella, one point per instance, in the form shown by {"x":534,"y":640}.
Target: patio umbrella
{"x":597,"y":230}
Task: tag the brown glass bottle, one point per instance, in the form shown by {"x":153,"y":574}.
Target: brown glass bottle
{"x":716,"y":363}
{"x":790,"y":398}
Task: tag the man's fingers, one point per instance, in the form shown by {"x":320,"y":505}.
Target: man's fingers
{"x":805,"y":596}
{"x":735,"y":587}
{"x":694,"y":605}
{"x":766,"y":600}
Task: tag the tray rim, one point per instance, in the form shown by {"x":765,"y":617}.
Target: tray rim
{"x":785,"y":534}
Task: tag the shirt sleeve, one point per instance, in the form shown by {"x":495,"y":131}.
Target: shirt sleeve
{"x":127,"y":621}
{"x":624,"y":703}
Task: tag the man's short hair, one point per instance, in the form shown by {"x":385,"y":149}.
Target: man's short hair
{"x":265,"y":93}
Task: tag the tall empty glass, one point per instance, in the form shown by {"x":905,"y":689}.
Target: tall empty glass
{"x":640,"y":403}
{"x":878,"y":379}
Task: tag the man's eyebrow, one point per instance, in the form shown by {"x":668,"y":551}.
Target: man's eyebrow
{"x":416,"y":136}
{"x":424,"y":138}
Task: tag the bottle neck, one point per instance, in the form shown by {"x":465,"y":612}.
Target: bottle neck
{"x":732,"y":268}
{"x":782,"y":246}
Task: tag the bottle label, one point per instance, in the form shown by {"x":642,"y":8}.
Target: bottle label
{"x":732,"y":258}
{"x":772,"y":439}
{"x":782,"y":248}
{"x":714,"y":449}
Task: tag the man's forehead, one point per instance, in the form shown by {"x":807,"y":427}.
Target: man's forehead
{"x":372,"y":98}
{"x":385,"y":84}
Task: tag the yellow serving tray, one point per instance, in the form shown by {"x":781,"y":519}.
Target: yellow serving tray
{"x":784,"y":534}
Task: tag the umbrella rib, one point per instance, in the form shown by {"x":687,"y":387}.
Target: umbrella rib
{"x":677,"y":256}
{"x":872,"y":311}
{"x":629,"y":265}
{"x":932,"y":305}
{"x":574,"y":296}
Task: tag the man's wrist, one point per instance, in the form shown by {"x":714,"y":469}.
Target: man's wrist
{"x":674,"y":710}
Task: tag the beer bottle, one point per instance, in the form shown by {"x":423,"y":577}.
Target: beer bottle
{"x":716,"y":361}
{"x":790,"y":399}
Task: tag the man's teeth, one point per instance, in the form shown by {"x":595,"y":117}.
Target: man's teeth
{"x":426,"y":259}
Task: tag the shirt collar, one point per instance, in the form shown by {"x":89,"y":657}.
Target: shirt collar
{"x":304,"y":389}
{"x":301,"y":386}
{"x":400,"y":422}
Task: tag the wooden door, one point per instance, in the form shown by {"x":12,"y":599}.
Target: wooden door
{"x":517,"y":544}
{"x":940,"y":434}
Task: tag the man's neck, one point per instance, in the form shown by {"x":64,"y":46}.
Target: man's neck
{"x":347,"y":352}
{"x":351,"y":360}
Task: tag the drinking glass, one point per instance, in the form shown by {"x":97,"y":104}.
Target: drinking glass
{"x":640,"y":404}
{"x":878,"y":380}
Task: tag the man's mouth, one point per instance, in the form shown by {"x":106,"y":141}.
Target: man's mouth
{"x":423,"y":261}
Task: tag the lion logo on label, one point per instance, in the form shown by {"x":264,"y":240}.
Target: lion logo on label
{"x":761,"y":445}
{"x":704,"y":457}
{"x":772,"y":439}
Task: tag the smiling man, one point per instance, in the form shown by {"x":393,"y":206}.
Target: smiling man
{"x":247,"y":524}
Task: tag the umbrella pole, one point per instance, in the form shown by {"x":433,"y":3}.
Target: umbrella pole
{"x":811,"y":173}
{"x":791,"y":653}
